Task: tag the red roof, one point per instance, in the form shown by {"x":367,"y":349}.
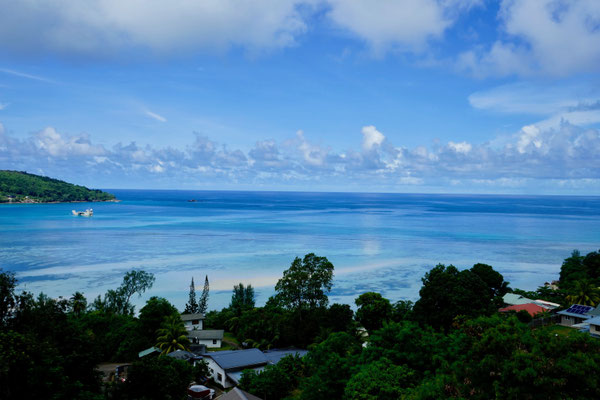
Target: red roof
{"x":531,"y":308}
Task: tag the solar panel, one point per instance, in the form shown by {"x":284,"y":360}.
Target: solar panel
{"x":579,"y":309}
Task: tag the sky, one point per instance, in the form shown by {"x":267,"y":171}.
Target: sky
{"x":419,"y":96}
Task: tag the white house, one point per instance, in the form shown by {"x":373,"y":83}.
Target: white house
{"x":574,"y":315}
{"x":192,"y":321}
{"x":594,"y":326}
{"x":226,"y":367}
{"x":209,"y":338}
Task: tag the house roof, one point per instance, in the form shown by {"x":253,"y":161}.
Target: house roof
{"x":577,"y":310}
{"x":594,"y":321}
{"x":531,"y":308}
{"x":238,"y":394}
{"x":274,"y":356}
{"x":190,"y":317}
{"x":514,"y":299}
{"x":150,"y":350}
{"x":595,"y":312}
{"x":232,"y":359}
{"x":183,"y":355}
{"x":206,"y":334}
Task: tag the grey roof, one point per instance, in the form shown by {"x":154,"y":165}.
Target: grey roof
{"x":238,"y":394}
{"x":593,"y":321}
{"x":206,"y":334}
{"x":274,"y":356}
{"x":190,"y":317}
{"x":595,"y":312}
{"x":232,"y":359}
{"x":515,"y":299}
{"x":183,"y":355}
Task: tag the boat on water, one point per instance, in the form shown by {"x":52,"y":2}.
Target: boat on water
{"x":87,"y":213}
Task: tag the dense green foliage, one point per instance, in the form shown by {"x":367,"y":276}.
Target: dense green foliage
{"x":451,"y":344}
{"x":18,"y":185}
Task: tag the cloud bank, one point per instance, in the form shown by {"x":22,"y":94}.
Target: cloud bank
{"x":532,"y":37}
{"x":565,"y":155}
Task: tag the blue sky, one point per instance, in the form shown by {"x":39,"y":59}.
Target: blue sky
{"x":442,"y":96}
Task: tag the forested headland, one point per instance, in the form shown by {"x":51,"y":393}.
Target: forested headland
{"x":22,"y":187}
{"x":450,"y":343}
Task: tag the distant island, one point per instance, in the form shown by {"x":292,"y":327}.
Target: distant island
{"x":22,"y":187}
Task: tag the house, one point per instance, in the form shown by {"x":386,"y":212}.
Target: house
{"x":575,"y":314}
{"x":226,"y":366}
{"x":531,"y":308}
{"x":192,"y":321}
{"x":594,"y":323}
{"x":237,"y":394}
{"x":209,"y":338}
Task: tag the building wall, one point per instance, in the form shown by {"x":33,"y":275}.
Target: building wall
{"x":210,"y":343}
{"x":567,"y":320}
{"x":189,"y":326}
{"x":595,"y":329}
{"x":218,"y":374}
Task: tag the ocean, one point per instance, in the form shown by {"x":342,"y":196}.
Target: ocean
{"x":377,"y":242}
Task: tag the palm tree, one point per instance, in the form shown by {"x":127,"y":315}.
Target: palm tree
{"x":584,"y":293}
{"x":172,"y":335}
{"x":78,"y":303}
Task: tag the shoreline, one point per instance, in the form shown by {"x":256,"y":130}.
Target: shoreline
{"x":60,"y":202}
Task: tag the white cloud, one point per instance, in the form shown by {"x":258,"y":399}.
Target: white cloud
{"x":155,"y":116}
{"x":23,"y":74}
{"x":3,"y":106}
{"x":107,"y":26}
{"x":371,"y":137}
{"x":552,"y":37}
{"x":407,"y":24}
{"x":558,"y":154}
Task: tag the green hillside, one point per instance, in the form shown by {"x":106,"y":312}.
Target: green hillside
{"x":21,"y":187}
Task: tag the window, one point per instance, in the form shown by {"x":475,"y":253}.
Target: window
{"x":214,"y":341}
{"x":195,"y":321}
{"x":219,"y":377}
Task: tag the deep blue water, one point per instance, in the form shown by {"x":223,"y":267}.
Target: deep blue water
{"x":377,"y":242}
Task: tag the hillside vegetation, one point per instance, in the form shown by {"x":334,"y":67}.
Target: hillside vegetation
{"x":21,"y":187}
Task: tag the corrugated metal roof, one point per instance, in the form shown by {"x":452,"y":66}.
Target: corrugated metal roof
{"x":531,"y":308}
{"x":232,"y":359}
{"x":238,"y":394}
{"x":151,"y":350}
{"x":274,"y":356}
{"x":514,"y":299}
{"x":190,"y":317}
{"x":206,"y":334}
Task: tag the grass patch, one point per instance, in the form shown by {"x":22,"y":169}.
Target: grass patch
{"x":229,"y":342}
{"x":562,"y":330}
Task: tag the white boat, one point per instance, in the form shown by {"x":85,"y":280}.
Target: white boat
{"x":87,"y":213}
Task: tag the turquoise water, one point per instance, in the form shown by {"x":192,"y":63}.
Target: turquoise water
{"x":377,"y":242}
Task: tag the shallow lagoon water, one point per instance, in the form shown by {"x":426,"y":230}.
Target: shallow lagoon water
{"x":377,"y":242}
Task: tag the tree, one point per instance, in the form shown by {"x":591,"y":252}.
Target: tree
{"x":448,"y":292}
{"x":77,"y":303}
{"x":161,"y":378}
{"x":8,"y":283}
{"x":151,"y":317}
{"x":172,"y":335}
{"x":192,"y":305}
{"x":329,"y":367}
{"x":242,"y":299}
{"x":380,"y":380}
{"x":117,"y":300}
{"x":495,"y":282}
{"x":203,"y":302}
{"x":305,"y":283}
{"x":373,"y":310}
{"x":572,"y":269}
{"x":584,"y":292}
